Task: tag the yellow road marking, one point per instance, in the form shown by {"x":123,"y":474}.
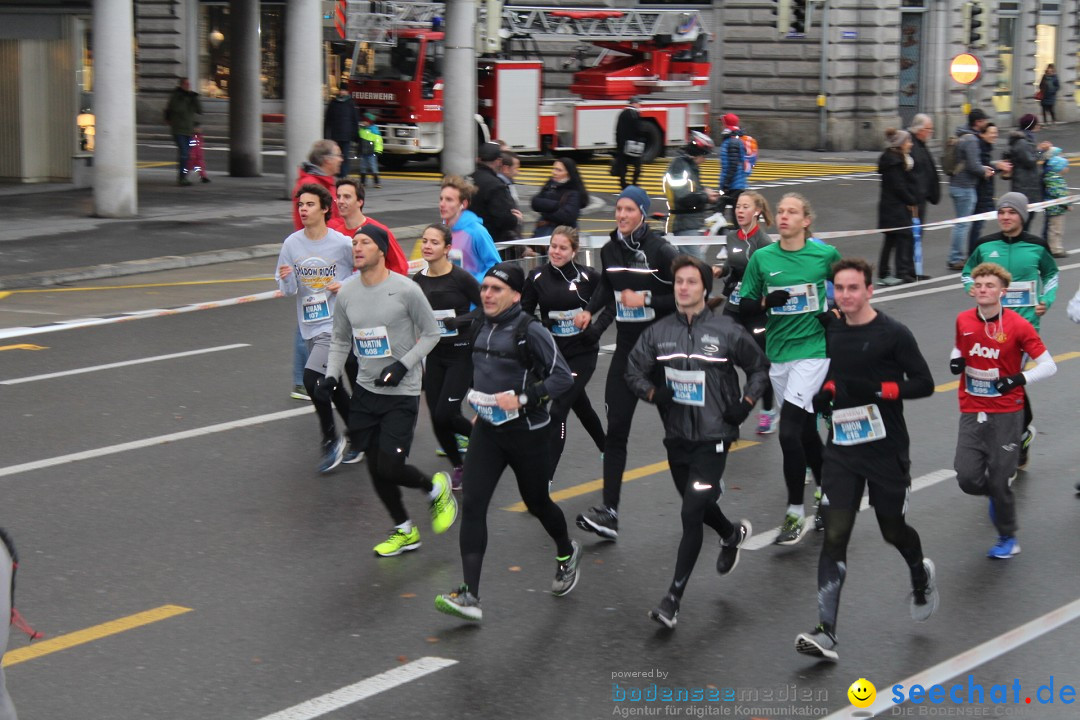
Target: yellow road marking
{"x":150,"y":164}
{"x":23,"y":346}
{"x":945,"y":387}
{"x":267,"y":278}
{"x":592,"y":485}
{"x":4,"y":294}
{"x":80,"y":637}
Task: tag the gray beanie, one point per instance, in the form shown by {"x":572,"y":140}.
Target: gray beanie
{"x":1016,"y":201}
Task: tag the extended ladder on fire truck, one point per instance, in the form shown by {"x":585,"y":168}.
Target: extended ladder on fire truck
{"x":378,"y":22}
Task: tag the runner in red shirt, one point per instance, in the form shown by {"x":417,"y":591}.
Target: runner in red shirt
{"x":350,"y":203}
{"x":990,"y":344}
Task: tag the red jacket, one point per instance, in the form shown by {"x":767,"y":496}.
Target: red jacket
{"x":395,"y":257}
{"x":312,"y":174}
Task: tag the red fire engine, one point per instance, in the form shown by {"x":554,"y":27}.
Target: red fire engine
{"x":397,"y":74}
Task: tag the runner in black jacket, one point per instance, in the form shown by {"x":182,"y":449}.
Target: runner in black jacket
{"x":636,"y":270}
{"x":702,"y":408}
{"x":562,"y":288}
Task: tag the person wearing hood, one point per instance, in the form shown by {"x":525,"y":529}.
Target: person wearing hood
{"x":561,"y":199}
{"x":897,"y":207}
{"x":735,"y":166}
{"x":493,"y":202}
{"x":478,"y":252}
{"x":963,"y":182}
{"x":180,"y":112}
{"x":341,"y":124}
{"x":322,"y":166}
{"x":1055,"y":188}
{"x":630,"y":139}
{"x":687,"y":199}
{"x":1025,"y":153}
{"x":635,"y":270}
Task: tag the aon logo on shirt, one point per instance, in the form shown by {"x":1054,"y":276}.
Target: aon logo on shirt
{"x":991,"y":353}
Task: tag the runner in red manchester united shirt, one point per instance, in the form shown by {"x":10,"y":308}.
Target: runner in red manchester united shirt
{"x":990,"y":343}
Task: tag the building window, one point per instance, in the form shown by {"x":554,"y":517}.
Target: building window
{"x":215,"y":46}
{"x":1006,"y":43}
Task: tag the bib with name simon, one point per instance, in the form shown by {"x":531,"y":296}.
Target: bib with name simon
{"x":487,"y":407}
{"x":372,"y":342}
{"x":857,"y":425}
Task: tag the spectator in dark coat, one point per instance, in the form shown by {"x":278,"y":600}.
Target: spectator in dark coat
{"x":629,"y":128}
{"x":896,"y":207}
{"x":342,"y":124}
{"x":561,"y":199}
{"x":493,"y":202}
{"x":1025,"y":153}
{"x":1048,"y":89}
{"x":927,"y":181}
{"x":180,"y":112}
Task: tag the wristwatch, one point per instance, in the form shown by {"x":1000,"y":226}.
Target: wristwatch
{"x":523,"y":399}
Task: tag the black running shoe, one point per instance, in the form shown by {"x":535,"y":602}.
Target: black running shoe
{"x":667,"y":612}
{"x":820,"y":643}
{"x":601,"y":520}
{"x":729,"y":554}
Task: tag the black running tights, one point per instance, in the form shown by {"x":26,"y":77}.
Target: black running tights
{"x":832,"y":565}
{"x":697,"y":469}
{"x":528,"y":455}
{"x":619,"y":401}
{"x":801,"y":446}
{"x":447,"y":378}
{"x":389,"y":474}
{"x":582,"y":366}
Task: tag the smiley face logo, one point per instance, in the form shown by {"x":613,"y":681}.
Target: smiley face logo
{"x":862,"y":693}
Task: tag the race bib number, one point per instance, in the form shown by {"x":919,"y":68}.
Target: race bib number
{"x":734,"y":297}
{"x":1020,"y":294}
{"x":372,"y":342}
{"x":627,"y":314}
{"x":439,"y":316}
{"x":981,"y":382}
{"x":857,"y":425}
{"x":315,"y":307}
{"x":487,"y":408}
{"x":688,"y":386}
{"x":804,"y":299}
{"x":562,"y":322}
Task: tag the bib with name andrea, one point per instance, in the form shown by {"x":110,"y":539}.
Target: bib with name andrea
{"x":687,"y":385}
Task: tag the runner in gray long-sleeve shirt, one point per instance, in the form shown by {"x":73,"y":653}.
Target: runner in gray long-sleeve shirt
{"x":391,"y":326}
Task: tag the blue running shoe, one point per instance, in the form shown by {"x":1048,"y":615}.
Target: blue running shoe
{"x":1005,"y":547}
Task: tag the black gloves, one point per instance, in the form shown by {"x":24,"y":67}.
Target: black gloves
{"x":451,"y":323}
{"x":391,"y":375}
{"x":325,"y":388}
{"x":827,"y":317}
{"x":956,"y":365}
{"x":1008,"y":384}
{"x":663,"y":396}
{"x":777,"y":298}
{"x":736,"y":414}
{"x":822,"y":400}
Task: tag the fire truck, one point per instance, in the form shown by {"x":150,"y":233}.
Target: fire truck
{"x":397,"y":74}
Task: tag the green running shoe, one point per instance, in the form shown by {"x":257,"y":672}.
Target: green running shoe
{"x":460,"y":603}
{"x":399,"y":542}
{"x":444,"y":507}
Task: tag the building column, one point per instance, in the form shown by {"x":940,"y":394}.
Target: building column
{"x":115,"y":183}
{"x":459,"y":128}
{"x":245,"y":91}
{"x":303,"y":84}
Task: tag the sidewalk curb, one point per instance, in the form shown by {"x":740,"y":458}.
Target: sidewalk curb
{"x":50,"y":278}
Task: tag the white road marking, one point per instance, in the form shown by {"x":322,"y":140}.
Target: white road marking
{"x":766,"y":538}
{"x":931,"y":291}
{"x":150,"y":442}
{"x":124,"y":363}
{"x":362,"y":690}
{"x":970,"y":659}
